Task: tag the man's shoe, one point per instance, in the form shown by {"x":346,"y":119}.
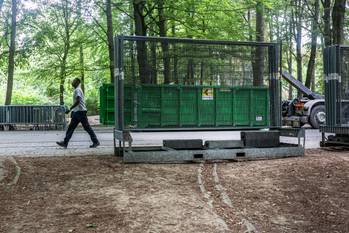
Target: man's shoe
{"x":62,"y":144}
{"x":94,"y":145}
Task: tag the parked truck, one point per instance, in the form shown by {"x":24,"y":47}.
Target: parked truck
{"x":309,"y":109}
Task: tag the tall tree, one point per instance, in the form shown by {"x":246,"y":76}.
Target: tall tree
{"x":298,"y":38}
{"x":314,"y":36}
{"x":12,"y":49}
{"x":327,"y":21}
{"x":56,"y":39}
{"x":81,"y":50}
{"x":174,"y":48}
{"x":141,"y":30}
{"x":110,"y":38}
{"x":259,"y":56}
{"x":289,"y":51}
{"x":164,"y":45}
{"x":338,"y":14}
{"x":68,"y":30}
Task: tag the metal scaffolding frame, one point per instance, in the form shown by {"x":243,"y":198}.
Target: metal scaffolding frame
{"x":122,"y":135}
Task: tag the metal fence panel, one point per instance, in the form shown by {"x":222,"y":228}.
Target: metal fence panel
{"x":344,"y":85}
{"x":40,"y":117}
{"x":192,"y":63}
{"x":336,"y":72}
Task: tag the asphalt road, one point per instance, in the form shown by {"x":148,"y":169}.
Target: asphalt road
{"x":43,"y":143}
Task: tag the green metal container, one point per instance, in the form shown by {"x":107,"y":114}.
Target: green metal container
{"x":169,"y":106}
{"x":106,"y":111}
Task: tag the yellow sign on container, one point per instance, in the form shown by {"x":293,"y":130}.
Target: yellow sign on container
{"x":207,"y":93}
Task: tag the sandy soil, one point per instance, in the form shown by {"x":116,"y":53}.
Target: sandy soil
{"x":100,"y":194}
{"x":306,"y":194}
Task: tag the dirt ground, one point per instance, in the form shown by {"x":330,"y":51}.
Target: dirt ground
{"x":100,"y":194}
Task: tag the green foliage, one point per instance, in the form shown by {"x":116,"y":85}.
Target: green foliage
{"x":92,"y":102}
{"x":42,"y":39}
{"x":29,"y":97}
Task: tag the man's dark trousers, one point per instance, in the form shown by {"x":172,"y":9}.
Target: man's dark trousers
{"x":76,"y":118}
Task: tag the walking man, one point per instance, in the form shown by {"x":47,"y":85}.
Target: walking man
{"x":78,"y":115}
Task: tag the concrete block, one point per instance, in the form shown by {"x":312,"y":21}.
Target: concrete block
{"x":260,"y":139}
{"x":224,"y":144}
{"x":183,"y":144}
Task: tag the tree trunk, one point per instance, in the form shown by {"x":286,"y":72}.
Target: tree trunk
{"x":313,"y":84}
{"x":202,"y":67}
{"x":141,"y":30}
{"x":289,"y":57}
{"x":190,"y":72}
{"x":175,"y":58}
{"x":314,"y":36}
{"x":63,"y":74}
{"x":338,"y":14}
{"x":164,"y":45}
{"x":153,"y":63}
{"x":11,"y":57}
{"x":66,"y":49}
{"x":289,"y":66}
{"x":110,"y":38}
{"x":132,"y":52}
{"x":81,"y":52}
{"x":61,"y":85}
{"x":259,"y":56}
{"x":298,"y":26}
{"x":271,"y":32}
{"x":327,"y":22}
{"x":82,"y":67}
{"x":63,"y":68}
{"x":245,"y":79}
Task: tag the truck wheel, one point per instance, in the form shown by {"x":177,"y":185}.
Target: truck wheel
{"x":317,"y":116}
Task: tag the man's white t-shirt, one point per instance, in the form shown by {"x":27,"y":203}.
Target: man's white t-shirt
{"x":81,"y":106}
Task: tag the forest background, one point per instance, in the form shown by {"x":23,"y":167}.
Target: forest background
{"x":44,"y":44}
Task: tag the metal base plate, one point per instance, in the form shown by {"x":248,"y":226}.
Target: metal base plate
{"x":161,"y":155}
{"x":335,"y":129}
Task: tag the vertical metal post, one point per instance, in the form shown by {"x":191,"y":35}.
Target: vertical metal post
{"x":338,"y":82}
{"x":280,"y":57}
{"x":119,"y":87}
{"x":325,"y":58}
{"x":332,"y":85}
{"x":121,"y":91}
{"x":120,"y":84}
{"x":116,"y":97}
{"x":274,"y":86}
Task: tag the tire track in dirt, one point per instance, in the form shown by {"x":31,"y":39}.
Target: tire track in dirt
{"x":218,"y":199}
{"x":207,"y":196}
{"x":9,"y":171}
{"x":18,"y":171}
{"x":250,"y":228}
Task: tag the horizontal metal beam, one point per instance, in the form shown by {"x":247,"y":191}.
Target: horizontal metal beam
{"x":197,"y":41}
{"x":193,"y":129}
